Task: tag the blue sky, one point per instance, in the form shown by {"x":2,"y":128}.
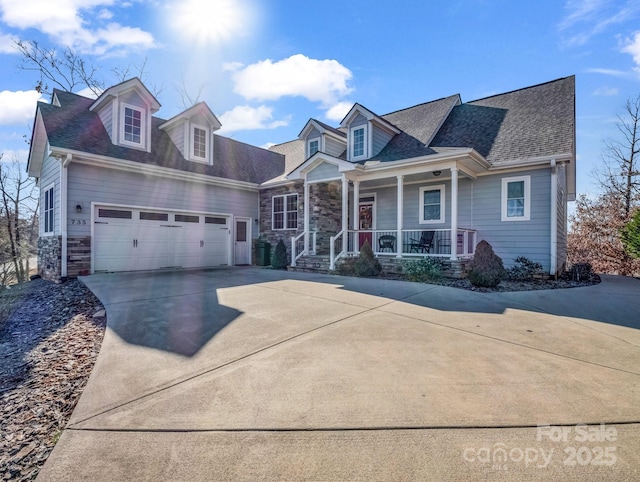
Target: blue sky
{"x":266,"y":67}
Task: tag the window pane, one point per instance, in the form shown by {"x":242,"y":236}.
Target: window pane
{"x":292,"y":220}
{"x":132,"y":125}
{"x":114,"y":213}
{"x":278,"y":204}
{"x":515,"y":208}
{"x":184,"y":218}
{"x":212,"y":220}
{"x":313,"y":147}
{"x":278,"y":221}
{"x":431,"y":212}
{"x":358,"y":142}
{"x":292,"y":203}
{"x":432,"y":197}
{"x":515,"y":190}
{"x":199,"y":142}
{"x":154,"y":216}
{"x":241,"y":231}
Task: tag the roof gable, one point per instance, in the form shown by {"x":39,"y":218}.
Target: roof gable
{"x":199,"y":109}
{"x":358,"y":109}
{"x":122,"y":88}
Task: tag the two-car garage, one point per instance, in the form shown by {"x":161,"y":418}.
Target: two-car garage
{"x":131,"y":239}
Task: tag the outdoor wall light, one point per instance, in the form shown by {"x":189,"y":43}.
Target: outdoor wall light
{"x":78,"y":208}
{"x":437,"y":173}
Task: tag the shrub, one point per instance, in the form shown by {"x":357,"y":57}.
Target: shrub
{"x":487,"y":269}
{"x":524,"y":269}
{"x":581,"y":271}
{"x":367,"y":264}
{"x":279,"y":259}
{"x":425,"y":269}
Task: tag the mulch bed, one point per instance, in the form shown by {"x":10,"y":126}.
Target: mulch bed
{"x":50,"y":336}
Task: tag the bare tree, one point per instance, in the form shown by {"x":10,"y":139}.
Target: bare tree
{"x":618,"y":174}
{"x":188,"y":98}
{"x":136,"y":70}
{"x":19,"y":218}
{"x":65,"y":69}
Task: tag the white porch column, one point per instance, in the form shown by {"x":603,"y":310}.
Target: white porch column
{"x":345,"y":213}
{"x":356,"y":213}
{"x":400,"y":216}
{"x":306,"y":217}
{"x":454,"y":213}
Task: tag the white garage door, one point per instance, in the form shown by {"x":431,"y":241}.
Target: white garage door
{"x":142,"y":239}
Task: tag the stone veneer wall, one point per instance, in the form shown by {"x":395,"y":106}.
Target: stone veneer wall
{"x":325,"y":211}
{"x":266,"y":206}
{"x":50,"y":257}
{"x":78,"y":256}
{"x":325,"y":201}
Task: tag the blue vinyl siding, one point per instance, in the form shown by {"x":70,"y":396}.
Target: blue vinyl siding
{"x":323,"y":171}
{"x":333,"y":147}
{"x":51,"y":175}
{"x":106,"y":116}
{"x":479,"y":208}
{"x":94,"y":184}
{"x":380,"y":139}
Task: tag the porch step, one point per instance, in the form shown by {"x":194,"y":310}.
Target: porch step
{"x":311,"y":264}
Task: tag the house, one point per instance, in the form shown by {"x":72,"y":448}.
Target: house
{"x":434,"y":179}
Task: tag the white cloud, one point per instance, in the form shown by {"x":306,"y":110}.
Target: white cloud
{"x":244,"y":117}
{"x":232,"y":66}
{"x":338,"y":110}
{"x":587,"y":18}
{"x":18,"y":107}
{"x":268,"y":145}
{"x":606,"y":91}
{"x":611,"y":72}
{"x":632,"y":48}
{"x":9,"y":155}
{"x":72,"y":23}
{"x":88,"y":93}
{"x":324,"y":81}
{"x":7,"y":45}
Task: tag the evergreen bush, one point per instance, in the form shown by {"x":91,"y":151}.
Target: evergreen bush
{"x":367,"y":265}
{"x":487,"y":269}
{"x":425,"y":269}
{"x":524,"y":269}
{"x":279,"y":259}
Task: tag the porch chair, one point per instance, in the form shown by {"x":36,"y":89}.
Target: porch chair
{"x":387,"y":242}
{"x":423,"y":245}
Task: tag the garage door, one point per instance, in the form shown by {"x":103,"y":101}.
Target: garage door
{"x":142,"y":239}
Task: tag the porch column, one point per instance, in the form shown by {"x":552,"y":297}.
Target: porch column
{"x":400,"y":216}
{"x":345,"y":213}
{"x":356,"y":214}
{"x":454,"y":213}
{"x":306,"y":217}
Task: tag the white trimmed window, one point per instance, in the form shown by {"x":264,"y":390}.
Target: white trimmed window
{"x":199,"y":143}
{"x":133,"y":125}
{"x":285,"y":212}
{"x":516,"y":198}
{"x":432,"y":204}
{"x":314,"y":146}
{"x":358,"y":142}
{"x":47,"y":211}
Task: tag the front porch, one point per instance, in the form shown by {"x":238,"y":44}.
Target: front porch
{"x":384,"y":244}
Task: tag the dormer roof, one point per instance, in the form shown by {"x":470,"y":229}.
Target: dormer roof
{"x":200,"y":109}
{"x":370,"y":116}
{"x":134,"y":84}
{"x":322,"y":128}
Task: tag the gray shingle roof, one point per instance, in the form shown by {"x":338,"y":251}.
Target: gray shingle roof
{"x":293,"y":152}
{"x":531,"y":122}
{"x":73,"y":126}
{"x":418,"y":125}
{"x":338,"y":132}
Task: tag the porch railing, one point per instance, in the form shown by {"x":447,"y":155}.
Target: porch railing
{"x":332,"y":250}
{"x":384,"y":242}
{"x":296,"y":251}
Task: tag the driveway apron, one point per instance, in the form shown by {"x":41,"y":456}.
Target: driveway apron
{"x":256,"y":374}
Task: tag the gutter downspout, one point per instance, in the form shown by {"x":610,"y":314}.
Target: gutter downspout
{"x":554,"y":219}
{"x":64,"y":214}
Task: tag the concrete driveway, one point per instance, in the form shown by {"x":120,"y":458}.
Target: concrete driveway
{"x":254,"y":374}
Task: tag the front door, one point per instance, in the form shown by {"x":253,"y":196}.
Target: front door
{"x":367,"y":222}
{"x":242,"y":244}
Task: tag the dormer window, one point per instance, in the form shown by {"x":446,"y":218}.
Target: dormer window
{"x":200,"y":143}
{"x":133,"y":125}
{"x":314,"y":146}
{"x":358,"y":142}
